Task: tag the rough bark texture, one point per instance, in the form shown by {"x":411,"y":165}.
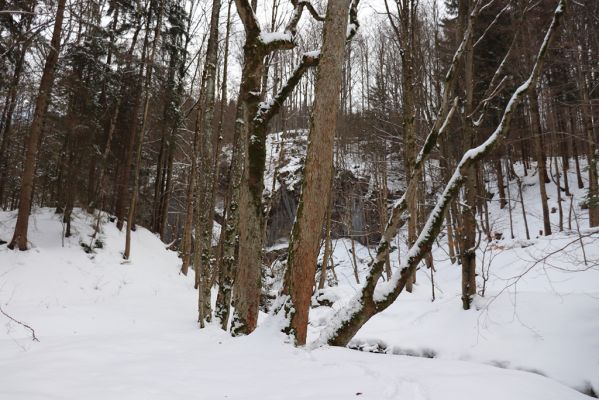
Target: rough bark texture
{"x":305,"y":236}
{"x":205,"y":198}
{"x":246,"y":223}
{"x":41,"y":106}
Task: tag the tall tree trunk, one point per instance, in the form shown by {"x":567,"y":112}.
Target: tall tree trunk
{"x":33,"y":141}
{"x":587,"y":123}
{"x":205,"y":196}
{"x":305,"y":235}
{"x":141,"y":134}
{"x":247,"y":105}
{"x":122,"y":181}
{"x":6,"y":118}
{"x":468,"y":228}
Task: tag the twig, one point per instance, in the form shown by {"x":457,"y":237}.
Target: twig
{"x":35,"y":339}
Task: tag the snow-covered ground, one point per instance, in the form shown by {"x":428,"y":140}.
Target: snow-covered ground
{"x":109,"y":330}
{"x":539,"y":310}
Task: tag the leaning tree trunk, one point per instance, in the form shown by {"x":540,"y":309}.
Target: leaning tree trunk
{"x":365,"y":304}
{"x":41,"y":106}
{"x":305,"y":235}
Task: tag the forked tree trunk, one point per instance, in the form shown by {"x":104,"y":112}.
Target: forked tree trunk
{"x":244,"y":225}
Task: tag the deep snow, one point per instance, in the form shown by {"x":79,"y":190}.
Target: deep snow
{"x":117,"y":330}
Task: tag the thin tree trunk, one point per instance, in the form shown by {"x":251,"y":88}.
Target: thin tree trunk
{"x":541,"y":168}
{"x":141,"y":134}
{"x":327,"y":242}
{"x":468,"y":225}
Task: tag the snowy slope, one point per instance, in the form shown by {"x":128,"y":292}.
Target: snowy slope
{"x":127,"y":331}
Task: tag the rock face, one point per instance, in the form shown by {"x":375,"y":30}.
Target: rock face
{"x":282,"y":214}
{"x":355,"y":211}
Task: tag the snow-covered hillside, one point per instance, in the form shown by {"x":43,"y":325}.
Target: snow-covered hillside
{"x":116,"y":330}
{"x":539,"y":310}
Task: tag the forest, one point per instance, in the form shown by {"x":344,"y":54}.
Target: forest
{"x":248,"y":198}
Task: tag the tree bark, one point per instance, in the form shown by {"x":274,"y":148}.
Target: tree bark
{"x":41,"y":106}
{"x":305,"y":235}
{"x":205,"y":198}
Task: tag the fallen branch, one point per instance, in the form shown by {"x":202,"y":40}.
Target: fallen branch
{"x":33,"y":337}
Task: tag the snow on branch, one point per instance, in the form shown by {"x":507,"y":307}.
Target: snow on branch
{"x":277,"y":40}
{"x":286,"y":39}
{"x":330,"y":335}
{"x":368,"y":303}
{"x":354,"y":24}
{"x":270,"y":107}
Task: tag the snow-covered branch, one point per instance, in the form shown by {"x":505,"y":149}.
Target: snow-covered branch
{"x":298,"y":10}
{"x":270,"y":108}
{"x":366,"y":304}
